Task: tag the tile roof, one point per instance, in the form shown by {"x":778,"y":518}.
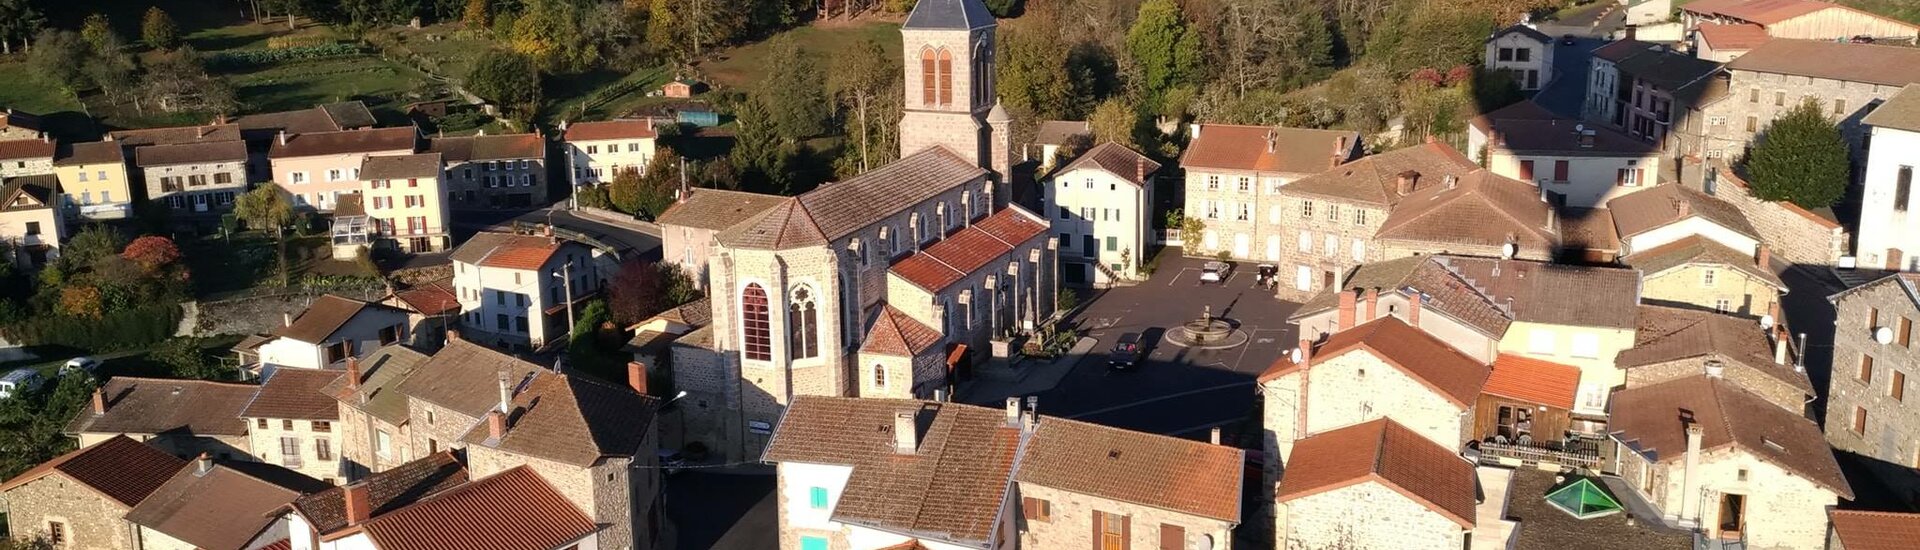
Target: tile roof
{"x":1268,"y":148}
{"x":90,"y":152}
{"x":190,"y":153}
{"x":1384,"y":452}
{"x":717,"y":209}
{"x":223,"y":507}
{"x":512,"y":510}
{"x":948,"y":14}
{"x":1732,"y":37}
{"x":574,"y":420}
{"x":508,"y":250}
{"x":1375,"y":179}
{"x":1116,"y":159}
{"x":1169,"y":473}
{"x":1480,"y":209}
{"x":1059,"y":132}
{"x":295,"y":394}
{"x":326,"y":315}
{"x":1443,"y":290}
{"x":387,"y":491}
{"x":1871,"y":63}
{"x":1687,"y":78}
{"x":330,"y":117}
{"x":1449,"y":373}
{"x":1621,"y":49}
{"x":381,"y":373}
{"x":464,"y":377}
{"x":1900,"y":112}
{"x":1534,"y":381}
{"x":1698,"y":250}
{"x":26,"y":149}
{"x":1650,"y":420}
{"x":897,"y":334}
{"x":1523,"y":30}
{"x":1646,"y":210}
{"x":1555,"y":134}
{"x":490,"y":147}
{"x":950,"y":489}
{"x":167,"y":406}
{"x":176,"y":135}
{"x":836,"y":210}
{"x":418,"y":165}
{"x":1863,"y":530}
{"x":633,"y":128}
{"x":1544,"y":526}
{"x":372,"y":140}
{"x":33,"y":192}
{"x":1765,"y":12}
{"x":428,"y":298}
{"x":1588,"y":229}
{"x":1670,"y":334}
{"x":968,"y":250}
{"x":118,"y":468}
{"x":1554,"y":294}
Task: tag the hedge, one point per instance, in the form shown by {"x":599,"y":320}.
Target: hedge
{"x":250,"y":57}
{"x":118,"y":331}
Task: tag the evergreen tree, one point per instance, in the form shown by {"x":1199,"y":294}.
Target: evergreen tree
{"x":158,"y":30}
{"x":1032,"y":71}
{"x":1167,"y":52}
{"x":793,"y":91}
{"x":757,"y":154}
{"x":1801,"y":158}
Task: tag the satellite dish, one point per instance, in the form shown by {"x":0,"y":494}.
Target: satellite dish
{"x":1294,"y":355}
{"x":1766,"y":321}
{"x":1206,"y":543}
{"x":1579,"y":127}
{"x":1883,"y":335}
{"x":1509,"y":250}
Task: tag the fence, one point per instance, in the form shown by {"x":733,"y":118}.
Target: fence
{"x":1537,"y":455}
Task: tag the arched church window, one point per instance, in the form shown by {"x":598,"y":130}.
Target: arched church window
{"x":928,"y":76}
{"x":982,"y":71}
{"x":803,"y":324}
{"x":946,"y":77}
{"x":753,"y":321}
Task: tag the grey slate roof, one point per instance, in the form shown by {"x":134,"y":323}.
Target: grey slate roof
{"x":836,"y":210}
{"x":948,"y":14}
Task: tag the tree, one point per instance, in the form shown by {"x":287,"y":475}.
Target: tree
{"x":643,"y":289}
{"x":89,"y":245}
{"x":1032,"y":72}
{"x":98,"y":32}
{"x":158,"y":30}
{"x":177,"y":82}
{"x":80,"y":301}
{"x":508,"y":79}
{"x":1116,"y":121}
{"x":859,"y":78}
{"x":793,"y":90}
{"x":185,"y":357}
{"x":58,"y":58}
{"x":650,"y":193}
{"x":151,"y":252}
{"x":475,"y":16}
{"x":1166,"y":50}
{"x":1800,"y":158}
{"x":757,"y":153}
{"x":19,"y":19}
{"x":548,"y":32}
{"x":266,"y":208}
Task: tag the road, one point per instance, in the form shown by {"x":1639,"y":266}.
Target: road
{"x":632,"y":240}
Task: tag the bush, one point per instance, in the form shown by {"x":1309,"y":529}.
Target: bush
{"x":233,"y":59}
{"x":114,"y":331}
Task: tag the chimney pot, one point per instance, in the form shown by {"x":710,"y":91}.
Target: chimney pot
{"x":904,"y":438}
{"x":99,"y":401}
{"x":1214,"y":435}
{"x":506,"y":393}
{"x":1193,"y":131}
{"x":353,"y":372}
{"x":1013,"y":412}
{"x":282,"y":136}
{"x":203,"y":464}
{"x":1631,"y":31}
{"x":1372,"y":300}
{"x":1347,"y":303}
{"x":1140,"y":169}
{"x":359,"y":507}
{"x":286,"y":319}
{"x":1780,"y":351}
{"x":1408,"y":180}
{"x":637,"y":377}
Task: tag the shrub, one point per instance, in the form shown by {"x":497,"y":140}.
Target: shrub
{"x":233,"y":59}
{"x":115,"y":331}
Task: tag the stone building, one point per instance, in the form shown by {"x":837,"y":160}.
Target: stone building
{"x":516,"y":508}
{"x":1524,"y":52}
{"x":1668,"y":213}
{"x":93,"y":176}
{"x":1423,"y":293}
{"x":317,"y":519}
{"x":244,"y":496}
{"x":492,"y":172}
{"x":1698,"y":272}
{"x":27,"y":157}
{"x":76,"y":500}
{"x":194,"y":178}
{"x":291,"y":422}
{"x":1573,"y":164}
{"x":1236,"y":177}
{"x":183,"y":417}
{"x":1652,"y":93}
{"x":17,"y":124}
{"x":1721,"y":42}
{"x":1794,"y":235}
{"x":1323,"y":225}
{"x":1677,"y":343}
{"x":689,"y":227}
{"x":1711,"y":456}
{"x":1889,"y":235}
{"x":1153,"y":491}
{"x":1846,"y":82}
{"x":374,"y":432}
{"x":1873,"y":354}
{"x":332,"y":329}
{"x":1102,"y":203}
{"x":1376,"y":485}
{"x":1510,"y":219}
{"x":956,"y":109}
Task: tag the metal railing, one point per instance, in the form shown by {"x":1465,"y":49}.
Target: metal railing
{"x":1526,"y":453}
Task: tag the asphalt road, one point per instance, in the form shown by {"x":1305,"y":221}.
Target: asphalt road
{"x":1568,"y":90}
{"x":630,"y":239}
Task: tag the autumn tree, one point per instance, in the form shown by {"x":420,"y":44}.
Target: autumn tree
{"x":508,"y":79}
{"x":1167,"y":52}
{"x":158,"y":30}
{"x":1802,"y":158}
{"x":97,"y":31}
{"x":642,"y":289}
{"x":267,"y":209}
{"x":1116,"y":121}
{"x":475,"y":16}
{"x":548,"y":32}
{"x":151,"y":252}
{"x":80,"y":300}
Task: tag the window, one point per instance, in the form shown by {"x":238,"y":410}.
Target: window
{"x":1359,"y":250}
{"x":335,"y":175}
{"x":1753,"y":95}
{"x":1540,"y":342}
{"x":1859,"y":420}
{"x":1306,"y":209}
{"x":298,"y":177}
{"x":1840,"y":107}
{"x":879,"y":376}
{"x":1306,"y":242}
{"x":1904,"y":334}
{"x":1560,"y":171}
{"x":1873,"y":318}
{"x":1902,"y":188}
{"x":1898,"y":388}
{"x":286,"y":425}
{"x":1706,"y":277}
{"x":753,"y":312}
{"x":1722,"y":305}
{"x":1112,"y":529}
{"x":382,"y":443}
{"x":1331,"y":246}
{"x":1113,"y":244}
{"x":1779,"y":99}
{"x":803,"y":320}
{"x":1753,"y":124}
{"x":33,"y":228}
{"x":323,"y":450}
{"x":57,"y":533}
{"x":1213,"y":210}
{"x":520,"y":324}
{"x":1585,"y":346}
{"x":500,"y":321}
{"x":946,"y":77}
{"x":593,"y":149}
{"x":1036,"y":509}
{"x":1359,"y":217}
{"x":1213,"y":183}
{"x":1245,"y":184}
{"x":1245,"y":213}
{"x":813,"y":543}
{"x":817,"y":498}
{"x":322,"y":426}
{"x":1506,"y":54}
{"x":1526,"y":170}
{"x":1333,"y":212}
{"x":260,"y":423}
{"x":290,"y":451}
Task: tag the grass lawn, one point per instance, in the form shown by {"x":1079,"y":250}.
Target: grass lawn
{"x":300,"y":85}
{"x":742,"y":66}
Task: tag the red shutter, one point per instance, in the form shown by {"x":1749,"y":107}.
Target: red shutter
{"x":1126,"y":533}
{"x":1639,"y":176}
{"x":1099,"y":535}
{"x":1559,"y":170}
{"x":1173,"y":537}
{"x":1620,"y":177}
{"x":1526,"y":171}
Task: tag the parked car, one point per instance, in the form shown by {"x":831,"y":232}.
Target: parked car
{"x":1568,"y":39}
{"x":19,"y":381}
{"x":1126,"y":352}
{"x":1215,"y":272}
{"x":87,"y":365}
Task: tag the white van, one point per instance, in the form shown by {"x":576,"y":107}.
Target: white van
{"x":20,"y":380}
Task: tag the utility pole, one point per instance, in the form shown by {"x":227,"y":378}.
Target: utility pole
{"x":566,"y":278}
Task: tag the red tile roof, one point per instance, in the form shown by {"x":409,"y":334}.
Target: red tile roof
{"x":1268,"y":148}
{"x":1765,"y":12}
{"x":1375,"y":179}
{"x":431,"y":298}
{"x":1651,"y":420}
{"x":897,"y":334}
{"x":508,"y":250}
{"x":1384,"y":452}
{"x":326,"y":315}
{"x":119,"y":468}
{"x":611,"y":129}
{"x":1534,"y":381}
{"x":965,"y":251}
{"x":1862,"y":530}
{"x":167,"y":406}
{"x":295,"y":394}
{"x":1169,"y":473}
{"x":1733,"y":37}
{"x":387,"y":490}
{"x":1445,"y":370}
{"x":26,"y":148}
{"x":512,"y":510}
{"x":573,"y":420}
{"x":225,"y":506}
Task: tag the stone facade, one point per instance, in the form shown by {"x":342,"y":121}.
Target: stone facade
{"x":1366,"y":516}
{"x":488,"y":184}
{"x":1793,"y":233}
{"x":218,"y":185}
{"x":1731,"y":290}
{"x":616,"y":492}
{"x":1069,"y":523}
{"x":1862,"y":384}
{"x":1783,"y":510}
{"x":1356,"y":387}
{"x":90,"y":520}
{"x":1324,"y":239}
{"x":1754,"y":99}
{"x":433,"y":428}
{"x":26,"y":166}
{"x":952,"y":108}
{"x":359,"y":444}
{"x":1750,"y":378}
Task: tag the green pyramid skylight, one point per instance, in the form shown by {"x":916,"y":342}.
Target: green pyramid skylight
{"x":1584,"y":499}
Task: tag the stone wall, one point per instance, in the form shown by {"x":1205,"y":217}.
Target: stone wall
{"x":1356,"y":387}
{"x":432,"y":428}
{"x":1795,"y":234}
{"x":1070,"y":522}
{"x":1744,"y":294}
{"x":1784,"y":510}
{"x":1764,"y":97}
{"x":1350,"y":226}
{"x":1893,"y":424}
{"x":266,"y":444}
{"x":1748,"y":378}
{"x":1366,"y":516}
{"x":92,"y":521}
{"x":358,"y":455}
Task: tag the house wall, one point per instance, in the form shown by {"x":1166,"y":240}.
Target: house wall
{"x":96,"y":191}
{"x":1603,"y":84}
{"x":212,"y":196}
{"x":1886,"y":226}
{"x":14,"y":230}
{"x":502,"y":183}
{"x":1307,"y":264}
{"x":1549,"y":424}
{"x":1793,"y":233}
{"x":1744,"y":294}
{"x":1785,"y":395}
{"x":1591,"y":177}
{"x":318,"y":181}
{"x":1357,"y":386}
{"x":1091,"y":202}
{"x":357,"y":441}
{"x":689,"y":248}
{"x":1892,"y":433}
{"x":1653,"y":238}
{"x":613,"y":492}
{"x":1070,"y":523}
{"x":1837,"y":23}
{"x":266,"y":443}
{"x":92,"y":521}
{"x":29,"y":166}
{"x":1598,"y":376}
{"x":1352,"y":518}
{"x":1784,"y":511}
{"x":480,"y":290}
{"x":598,"y":161}
{"x":427,"y":193}
{"x":1728,"y":136}
{"x":361,"y":334}
{"x":797,"y":516}
{"x":1461,"y":337}
{"x":1531,"y":74}
{"x":150,"y":539}
{"x":432,"y":428}
{"x":1649,"y":12}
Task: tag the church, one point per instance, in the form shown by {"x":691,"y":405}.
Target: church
{"x":876,"y":286}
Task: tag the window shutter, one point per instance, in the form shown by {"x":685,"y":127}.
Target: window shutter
{"x":1639,"y":176}
{"x":1026,"y":508}
{"x":1126,"y":533}
{"x":1526,"y":170}
{"x":1620,"y":177}
{"x":1099,"y":535}
{"x":1173,"y":537}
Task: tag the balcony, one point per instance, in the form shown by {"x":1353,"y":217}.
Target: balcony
{"x":1581,"y":453}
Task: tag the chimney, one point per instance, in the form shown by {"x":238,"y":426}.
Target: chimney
{"x":1714,"y":369}
{"x":1372,"y":299}
{"x":1408,"y":180}
{"x":1305,"y":352}
{"x":99,"y":401}
{"x":282,"y":137}
{"x":286,"y":319}
{"x":353,"y":372}
{"x":904,"y":438}
{"x":1451,"y":181}
{"x":496,"y":425}
{"x":483,"y":131}
{"x":1333,"y":162}
{"x":1214,"y":435}
{"x":1413,"y":308}
{"x":1013,"y":412}
{"x":1140,"y":169}
{"x":637,"y":377}
{"x":1586,"y":139}
{"x":453,"y":334}
{"x":1688,"y":476}
{"x":1346,"y":309}
{"x":1779,"y":351}
{"x":199,"y":132}
{"x":1273,"y":141}
{"x":202,"y":464}
{"x":359,"y":508}
{"x":1340,"y":146}
{"x":1763,"y":258}
{"x":1631,"y":32}
{"x":1685,"y":208}
{"x":506,"y":394}
{"x":1193,"y":131}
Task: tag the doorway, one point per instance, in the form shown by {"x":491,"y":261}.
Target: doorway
{"x":1733,"y":515}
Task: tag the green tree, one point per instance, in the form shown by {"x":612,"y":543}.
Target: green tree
{"x":1116,"y":121}
{"x":793,"y":90}
{"x":508,"y":79}
{"x":267,"y":209}
{"x":475,"y":16}
{"x":19,"y":20}
{"x":1032,"y":72}
{"x":92,"y":243}
{"x":649,"y":193}
{"x":158,"y":30}
{"x":59,"y":58}
{"x":98,"y":32}
{"x":757,"y":152}
{"x":1166,"y":50}
{"x":32,"y":427}
{"x":1800,"y":158}
{"x":186,"y":357}
{"x":548,"y":32}
{"x":177,"y":82}
{"x":860,"y":78}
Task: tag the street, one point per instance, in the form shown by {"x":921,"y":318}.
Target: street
{"x":627,"y":238}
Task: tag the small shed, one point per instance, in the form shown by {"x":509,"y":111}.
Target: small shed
{"x":679,"y":88}
{"x":697,"y":117}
